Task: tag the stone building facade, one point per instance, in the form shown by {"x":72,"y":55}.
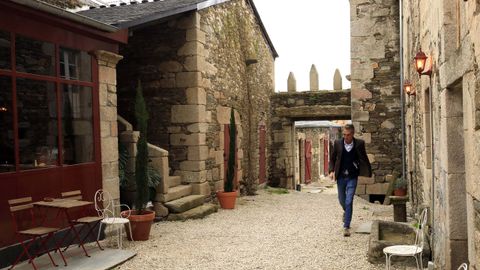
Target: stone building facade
{"x":194,"y":67}
{"x":375,"y":86}
{"x":443,"y":123}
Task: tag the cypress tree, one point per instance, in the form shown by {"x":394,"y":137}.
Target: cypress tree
{"x":141,"y":160}
{"x":228,"y":187}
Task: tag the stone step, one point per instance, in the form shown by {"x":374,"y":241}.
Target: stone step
{"x":185,"y":203}
{"x":174,"y":193}
{"x":197,"y":212}
{"x":173,"y":181}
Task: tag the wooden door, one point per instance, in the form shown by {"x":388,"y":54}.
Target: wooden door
{"x":262,"y":170}
{"x":308,"y":161}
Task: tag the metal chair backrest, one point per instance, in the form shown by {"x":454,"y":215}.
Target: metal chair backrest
{"x":72,"y":195}
{"x":104,"y":204}
{"x":21,"y":205}
{"x":463,"y":266}
{"x":419,"y":237}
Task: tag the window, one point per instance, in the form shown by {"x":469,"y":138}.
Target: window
{"x":7,"y":150}
{"x":77,"y":123}
{"x":5,"y":58}
{"x":49,"y":123}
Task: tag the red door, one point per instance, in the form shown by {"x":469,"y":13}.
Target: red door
{"x":308,"y":161}
{"x":262,"y":170}
{"x":326,"y":154}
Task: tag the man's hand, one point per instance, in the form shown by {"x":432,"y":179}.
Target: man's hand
{"x":332,"y":176}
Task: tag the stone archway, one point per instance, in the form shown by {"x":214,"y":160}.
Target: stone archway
{"x":286,"y":108}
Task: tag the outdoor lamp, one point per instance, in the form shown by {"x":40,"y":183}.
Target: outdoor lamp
{"x":408,"y":88}
{"x":420,"y":62}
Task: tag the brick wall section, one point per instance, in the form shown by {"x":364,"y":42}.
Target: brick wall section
{"x":107,"y":89}
{"x":375,"y":78}
{"x":291,"y":106}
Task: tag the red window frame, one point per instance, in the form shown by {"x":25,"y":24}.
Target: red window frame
{"x":59,"y":81}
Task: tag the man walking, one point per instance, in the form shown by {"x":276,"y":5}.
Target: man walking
{"x":348,"y":161}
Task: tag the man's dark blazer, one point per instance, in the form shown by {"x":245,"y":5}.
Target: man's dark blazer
{"x":336,"y":158}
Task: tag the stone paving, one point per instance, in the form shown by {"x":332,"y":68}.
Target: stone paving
{"x":298,"y":230}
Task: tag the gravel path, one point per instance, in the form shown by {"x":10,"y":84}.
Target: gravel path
{"x":298,"y":230}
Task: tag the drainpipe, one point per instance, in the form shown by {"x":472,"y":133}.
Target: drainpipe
{"x":433,"y":165}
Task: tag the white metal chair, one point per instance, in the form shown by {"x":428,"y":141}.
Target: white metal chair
{"x":107,"y":209}
{"x":463,"y":266}
{"x":414,"y":250}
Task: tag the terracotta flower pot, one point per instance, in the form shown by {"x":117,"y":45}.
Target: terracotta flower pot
{"x":400,"y":192}
{"x":141,"y":224}
{"x":227,"y":199}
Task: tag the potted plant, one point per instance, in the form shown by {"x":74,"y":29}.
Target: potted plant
{"x":400,"y":187}
{"x":140,"y":218}
{"x":228,"y":196}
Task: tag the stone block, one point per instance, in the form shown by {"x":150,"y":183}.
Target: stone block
{"x":160,"y":209}
{"x":191,"y":48}
{"x":208,"y":117}
{"x":387,"y":124}
{"x":108,"y":113}
{"x":197,"y":152}
{"x":366,"y":180}
{"x":189,"y":140}
{"x":192,"y":177}
{"x":200,"y":127}
{"x":174,"y":129}
{"x":188,"y":114}
{"x":112,"y":186}
{"x":109,"y":146}
{"x":192,"y":165}
{"x":218,"y":185}
{"x":360,"y":116}
{"x":107,"y":75}
{"x":185,"y":203}
{"x":196,"y":34}
{"x":201,"y":189}
{"x":457,"y":206}
{"x":219,"y":157}
{"x":188,"y":79}
{"x":360,"y":190}
{"x":218,"y":173}
{"x":110,"y":170}
{"x":223,"y":115}
{"x":378,"y":188}
{"x":196,"y":95}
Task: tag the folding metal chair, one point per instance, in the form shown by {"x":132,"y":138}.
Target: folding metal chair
{"x":31,"y":233}
{"x":409,"y":250}
{"x":108,"y":210}
{"x":88,"y":221}
{"x":463,"y":266}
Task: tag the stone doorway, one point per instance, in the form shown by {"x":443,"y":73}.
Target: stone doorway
{"x":455,"y":182}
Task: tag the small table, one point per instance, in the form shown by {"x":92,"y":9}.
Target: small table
{"x":399,"y":208}
{"x":63,"y":205}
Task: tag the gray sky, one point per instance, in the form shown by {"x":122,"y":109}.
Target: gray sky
{"x":306,"y":32}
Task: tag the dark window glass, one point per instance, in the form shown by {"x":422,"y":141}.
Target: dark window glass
{"x":37,"y":124}
{"x":75,"y":65}
{"x":77,"y":124}
{"x":34,"y":56}
{"x":5,"y":50}
{"x":7,"y":152}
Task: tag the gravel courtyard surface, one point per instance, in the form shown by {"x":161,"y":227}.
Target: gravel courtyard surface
{"x":298,"y":230}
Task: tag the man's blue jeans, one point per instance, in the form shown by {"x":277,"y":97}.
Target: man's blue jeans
{"x":346,"y":190}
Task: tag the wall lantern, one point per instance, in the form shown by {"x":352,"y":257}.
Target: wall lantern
{"x":420,"y":62}
{"x":408,"y":88}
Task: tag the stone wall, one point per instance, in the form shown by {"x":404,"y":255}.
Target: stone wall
{"x":375,"y":82}
{"x":286,"y":108}
{"x":446,"y":108}
{"x":240,"y":71}
{"x":194,"y":68}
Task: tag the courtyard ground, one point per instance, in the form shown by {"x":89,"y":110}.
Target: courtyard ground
{"x":298,"y":230}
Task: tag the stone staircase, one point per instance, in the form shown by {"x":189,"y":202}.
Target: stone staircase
{"x":174,"y":200}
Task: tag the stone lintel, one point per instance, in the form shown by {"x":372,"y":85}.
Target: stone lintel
{"x":316,"y":111}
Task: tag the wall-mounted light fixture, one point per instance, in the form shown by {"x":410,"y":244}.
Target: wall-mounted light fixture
{"x":420,"y":63}
{"x":408,"y":88}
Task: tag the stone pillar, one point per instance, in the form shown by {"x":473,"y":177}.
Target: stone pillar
{"x":291,"y":83}
{"x":189,"y":121}
{"x":337,"y":80}
{"x":313,"y":78}
{"x":107,"y":88}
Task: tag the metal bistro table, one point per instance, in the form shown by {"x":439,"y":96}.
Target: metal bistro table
{"x":63,"y":206}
